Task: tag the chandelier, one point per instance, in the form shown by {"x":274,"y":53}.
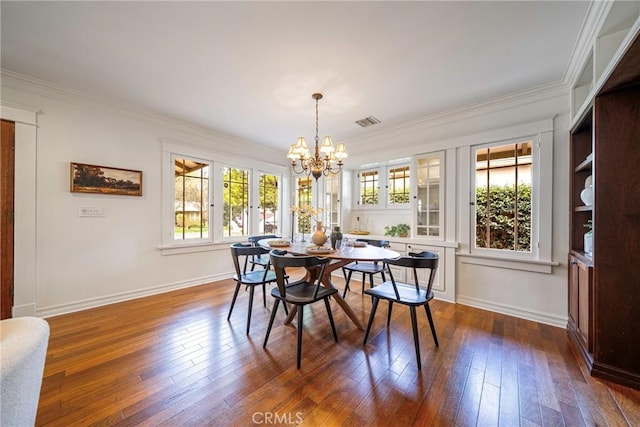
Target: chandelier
{"x":326,"y":158}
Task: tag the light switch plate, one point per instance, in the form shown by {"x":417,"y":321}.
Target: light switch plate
{"x":93,"y":211}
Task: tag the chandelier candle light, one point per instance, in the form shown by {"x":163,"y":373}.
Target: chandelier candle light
{"x":330,"y":161}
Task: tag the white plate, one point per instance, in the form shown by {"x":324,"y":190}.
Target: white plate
{"x":278,"y":243}
{"x":319,"y":251}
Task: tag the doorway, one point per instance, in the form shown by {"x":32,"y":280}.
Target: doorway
{"x":7,"y":185}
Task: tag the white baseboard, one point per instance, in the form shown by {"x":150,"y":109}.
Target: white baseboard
{"x":23,"y":310}
{"x":533,"y":315}
{"x":124,"y":296}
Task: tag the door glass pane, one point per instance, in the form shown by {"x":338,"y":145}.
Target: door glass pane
{"x":429,"y":196}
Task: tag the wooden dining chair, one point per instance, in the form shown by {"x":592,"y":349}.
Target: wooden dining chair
{"x":263,"y":259}
{"x":240,"y":254}
{"x":301,"y":292}
{"x":366,"y":268}
{"x":412,"y":295}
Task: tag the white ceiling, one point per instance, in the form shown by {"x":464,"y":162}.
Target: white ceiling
{"x":248,"y":69}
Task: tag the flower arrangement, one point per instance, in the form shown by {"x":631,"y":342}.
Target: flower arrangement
{"x":307,"y":212}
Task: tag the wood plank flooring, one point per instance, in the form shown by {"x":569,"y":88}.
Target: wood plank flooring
{"x":174,"y":360}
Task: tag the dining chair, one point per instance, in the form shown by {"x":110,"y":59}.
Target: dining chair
{"x":412,"y":295}
{"x":366,"y":268}
{"x":300,"y":293}
{"x":263,"y":259}
{"x":250,"y":279}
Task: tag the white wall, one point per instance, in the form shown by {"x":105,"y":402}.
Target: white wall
{"x":532,"y":295}
{"x":83,"y":262}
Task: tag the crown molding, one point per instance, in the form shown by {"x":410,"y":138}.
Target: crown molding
{"x":36,"y":86}
{"x":380,"y":140}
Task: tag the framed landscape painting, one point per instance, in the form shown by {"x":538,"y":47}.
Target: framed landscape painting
{"x":105,"y":180}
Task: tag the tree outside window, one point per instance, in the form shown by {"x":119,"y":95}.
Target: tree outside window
{"x":268,"y":204}
{"x":235,"y":195}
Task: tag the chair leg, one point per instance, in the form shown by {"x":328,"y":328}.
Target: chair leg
{"x":346,"y":285}
{"x":370,"y":281}
{"x":264,"y":295}
{"x":364,"y":277}
{"x":233,"y":300}
{"x":384,"y":279}
{"x":333,"y":326}
{"x":273,"y":316}
{"x":251,"y":291}
{"x":286,"y":310}
{"x":389,"y":313}
{"x":416,"y":340}
{"x":433,"y":328}
{"x":374,"y":307}
{"x":300,"y":317}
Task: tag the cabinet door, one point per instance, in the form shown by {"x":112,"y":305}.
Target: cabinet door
{"x":573,"y":292}
{"x":584,"y":292}
{"x":423,"y":275}
{"x":398,"y":272}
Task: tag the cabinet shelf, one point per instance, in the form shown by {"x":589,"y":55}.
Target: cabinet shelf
{"x":588,"y":208}
{"x":585,"y":165}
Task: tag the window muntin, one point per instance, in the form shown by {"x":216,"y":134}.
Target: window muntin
{"x":191,"y":199}
{"x":235,"y":196}
{"x":430,"y":195}
{"x":369,"y":187}
{"x":398,"y":185}
{"x":503,"y":197}
{"x":269,"y":205}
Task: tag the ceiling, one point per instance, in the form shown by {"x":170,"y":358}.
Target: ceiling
{"x":248,"y":69}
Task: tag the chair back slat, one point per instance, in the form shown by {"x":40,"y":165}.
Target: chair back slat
{"x":254,"y":239}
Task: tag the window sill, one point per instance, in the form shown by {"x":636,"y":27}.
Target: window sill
{"x":535,"y":266}
{"x":193,"y":247}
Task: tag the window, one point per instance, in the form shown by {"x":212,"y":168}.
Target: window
{"x":191,"y":202}
{"x":269,"y":204}
{"x":235,"y":195}
{"x":430,"y":195}
{"x":503,"y":196}
{"x":398,"y":188}
{"x":369,"y":187}
{"x":304,"y":196}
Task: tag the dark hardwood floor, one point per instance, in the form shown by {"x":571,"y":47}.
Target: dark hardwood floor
{"x":174,"y":360}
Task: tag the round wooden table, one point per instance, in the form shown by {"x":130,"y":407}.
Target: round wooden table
{"x":340,"y":259}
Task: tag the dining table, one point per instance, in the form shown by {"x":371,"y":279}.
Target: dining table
{"x":355,"y":251}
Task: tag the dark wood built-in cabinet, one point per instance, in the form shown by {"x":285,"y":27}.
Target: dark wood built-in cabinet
{"x":604,"y":288}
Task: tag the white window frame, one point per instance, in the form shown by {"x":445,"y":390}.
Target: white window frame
{"x":535,"y":208}
{"x":387,"y":186}
{"x":171,"y":150}
{"x":381,"y":193}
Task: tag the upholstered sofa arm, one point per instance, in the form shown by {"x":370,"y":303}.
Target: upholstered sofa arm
{"x":23,"y":347}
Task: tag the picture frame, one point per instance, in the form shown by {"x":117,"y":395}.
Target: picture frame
{"x":86,"y":178}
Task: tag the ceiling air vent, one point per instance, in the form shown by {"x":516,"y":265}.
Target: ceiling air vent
{"x":367,"y":121}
